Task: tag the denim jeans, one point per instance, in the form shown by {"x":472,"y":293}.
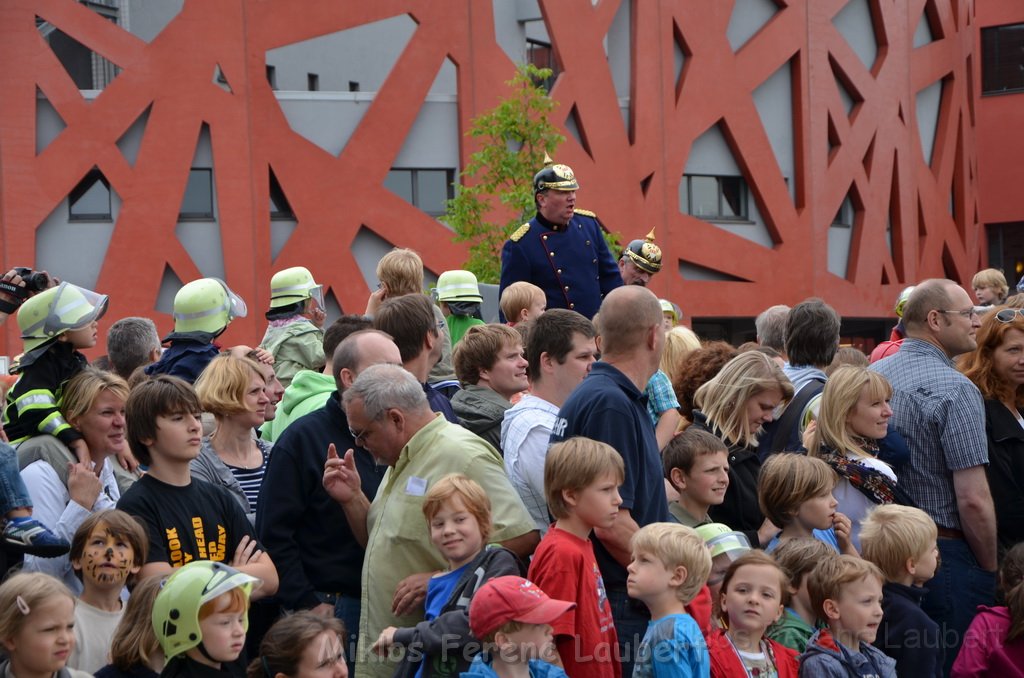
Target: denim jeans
{"x":13,"y":493}
{"x":955,"y":593}
{"x":347,"y":609}
{"x":631,"y":620}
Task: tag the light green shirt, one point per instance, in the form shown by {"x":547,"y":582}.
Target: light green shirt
{"x":399,"y":544}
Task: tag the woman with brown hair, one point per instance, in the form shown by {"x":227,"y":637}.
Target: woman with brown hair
{"x":997,"y":368}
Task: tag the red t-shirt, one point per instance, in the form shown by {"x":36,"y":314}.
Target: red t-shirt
{"x":564,"y":567}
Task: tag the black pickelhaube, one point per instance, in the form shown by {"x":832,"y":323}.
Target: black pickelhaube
{"x":554,"y":177}
{"x":644,"y":253}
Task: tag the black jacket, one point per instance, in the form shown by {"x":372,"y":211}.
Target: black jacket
{"x":1005,"y":472}
{"x":907,"y":634}
{"x":443,"y":642}
{"x":303,"y":529}
{"x":740,"y":509}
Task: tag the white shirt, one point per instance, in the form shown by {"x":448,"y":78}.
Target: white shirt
{"x":52,"y":506}
{"x":525,"y":436}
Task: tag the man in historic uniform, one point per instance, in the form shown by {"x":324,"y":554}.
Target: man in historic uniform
{"x":562,"y":249}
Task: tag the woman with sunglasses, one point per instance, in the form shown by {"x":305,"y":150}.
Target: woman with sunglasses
{"x":997,"y":369}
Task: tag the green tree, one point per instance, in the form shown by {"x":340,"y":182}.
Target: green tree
{"x":496,"y":195}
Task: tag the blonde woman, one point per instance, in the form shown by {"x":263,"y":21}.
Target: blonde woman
{"x":233,"y":390}
{"x":734,"y":405}
{"x":853,"y":417}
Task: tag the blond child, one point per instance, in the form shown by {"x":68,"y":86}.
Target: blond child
{"x":107,"y":552}
{"x":37,"y":619}
{"x":458,"y":515}
{"x":522,"y":301}
{"x":751,"y":600}
{"x":797,"y":557}
{"x":901,"y":541}
{"x":200,"y":617}
{"x":697,"y":466}
{"x":134,"y":650}
{"x":795,"y":493}
{"x":847,"y":592}
{"x":581,"y":485}
{"x":669,"y":566}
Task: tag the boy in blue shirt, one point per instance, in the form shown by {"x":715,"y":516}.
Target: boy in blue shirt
{"x":458,"y":515}
{"x":669,"y":567}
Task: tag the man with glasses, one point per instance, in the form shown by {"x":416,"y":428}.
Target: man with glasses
{"x":296,"y":520}
{"x":390,"y":417}
{"x":941,"y":415}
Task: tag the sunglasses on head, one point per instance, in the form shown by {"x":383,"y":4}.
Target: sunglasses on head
{"x":1007,"y":315}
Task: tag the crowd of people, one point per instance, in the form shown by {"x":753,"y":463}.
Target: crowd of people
{"x":585,"y":488}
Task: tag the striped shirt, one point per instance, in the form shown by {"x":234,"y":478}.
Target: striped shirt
{"x":250,"y":479}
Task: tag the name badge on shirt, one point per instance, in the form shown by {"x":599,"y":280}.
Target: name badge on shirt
{"x":416,"y":487}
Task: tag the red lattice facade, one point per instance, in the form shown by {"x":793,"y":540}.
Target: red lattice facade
{"x":630,"y":173}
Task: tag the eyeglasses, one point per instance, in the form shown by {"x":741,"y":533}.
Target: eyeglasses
{"x":1007,"y":315}
{"x":359,"y":437}
{"x":968,"y":313}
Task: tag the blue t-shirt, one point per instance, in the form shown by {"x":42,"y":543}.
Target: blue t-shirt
{"x":828,"y":536}
{"x":608,"y":407}
{"x":439,"y":590}
{"x":673,"y":647}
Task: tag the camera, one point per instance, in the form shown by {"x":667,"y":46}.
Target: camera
{"x":35,"y":281}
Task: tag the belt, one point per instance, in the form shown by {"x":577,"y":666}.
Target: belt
{"x":950,"y":533}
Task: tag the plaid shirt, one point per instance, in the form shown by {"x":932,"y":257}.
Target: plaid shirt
{"x":941,"y":415}
{"x":660,"y":396}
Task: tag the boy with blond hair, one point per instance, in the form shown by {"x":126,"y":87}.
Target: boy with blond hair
{"x":901,"y":541}
{"x":670,"y":564}
{"x":847,"y":592}
{"x":797,"y":557}
{"x":581,"y":484}
{"x":522,"y":301}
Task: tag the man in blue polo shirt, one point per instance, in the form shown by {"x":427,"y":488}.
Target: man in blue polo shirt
{"x":609,"y":406}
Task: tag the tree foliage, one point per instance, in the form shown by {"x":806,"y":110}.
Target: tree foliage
{"x":496,"y":195}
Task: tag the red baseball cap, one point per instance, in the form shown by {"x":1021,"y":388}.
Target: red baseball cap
{"x":505,"y":599}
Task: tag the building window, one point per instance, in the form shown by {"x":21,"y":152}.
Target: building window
{"x":844,"y":215}
{"x":714,"y":198}
{"x":428,"y":189}
{"x":1002,"y":59}
{"x":313,"y":82}
{"x":90,"y":199}
{"x":540,"y":54}
{"x":272,"y":76}
{"x":353,"y":85}
{"x":197,"y":205}
{"x":280,"y":209}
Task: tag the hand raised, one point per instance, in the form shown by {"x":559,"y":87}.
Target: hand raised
{"x":341,"y":479}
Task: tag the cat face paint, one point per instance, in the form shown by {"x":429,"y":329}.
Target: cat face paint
{"x":106,"y":560}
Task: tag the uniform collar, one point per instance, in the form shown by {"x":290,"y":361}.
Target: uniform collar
{"x":557,"y":228}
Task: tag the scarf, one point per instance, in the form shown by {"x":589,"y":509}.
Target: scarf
{"x":873,"y":484}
